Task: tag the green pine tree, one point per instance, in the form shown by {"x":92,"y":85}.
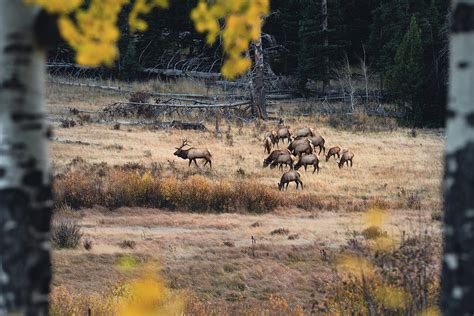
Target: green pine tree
{"x":405,"y":78}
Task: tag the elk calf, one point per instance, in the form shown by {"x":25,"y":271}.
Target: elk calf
{"x":308,"y":160}
{"x":290,"y":176}
{"x":193,"y":153}
{"x":274,"y":155}
{"x":283,"y":159}
{"x":333,"y":151}
{"x":346,"y":157}
{"x":273,"y":137}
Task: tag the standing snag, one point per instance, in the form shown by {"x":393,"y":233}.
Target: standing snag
{"x":193,"y":153}
{"x":308,"y":160}
{"x":333,"y":151}
{"x":346,"y":157}
{"x":290,"y":176}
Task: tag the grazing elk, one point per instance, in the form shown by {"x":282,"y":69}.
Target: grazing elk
{"x":318,"y":141}
{"x":304,"y":148}
{"x":333,"y":151}
{"x":304,"y":132}
{"x":273,"y":137}
{"x":274,"y":155}
{"x":283,"y":133}
{"x":290,"y":176}
{"x":296,"y":142}
{"x":308,"y":160}
{"x":346,"y":157}
{"x":193,"y":153}
{"x":283,"y":159}
{"x":267,"y":145}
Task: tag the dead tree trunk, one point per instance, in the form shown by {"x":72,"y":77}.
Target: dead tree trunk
{"x":324,"y":9}
{"x":258,"y":95}
{"x":457,"y":281}
{"x":25,"y":187}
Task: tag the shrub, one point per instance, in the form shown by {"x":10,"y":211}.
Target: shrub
{"x":280,"y":231}
{"x":65,"y":233}
{"x":127,"y":244}
{"x":373,"y":232}
{"x":139,"y":97}
{"x":437,"y":215}
{"x":87,"y":244}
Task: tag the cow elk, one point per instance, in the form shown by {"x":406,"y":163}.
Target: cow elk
{"x":267,"y":145}
{"x":193,"y":153}
{"x":333,"y":151}
{"x":318,"y":141}
{"x":274,"y":155}
{"x":283,"y":133}
{"x":290,"y":176}
{"x":346,"y":157}
{"x":273,"y":137}
{"x":308,"y":160}
{"x":304,"y":132}
{"x":283,"y":159}
{"x":305,"y":148}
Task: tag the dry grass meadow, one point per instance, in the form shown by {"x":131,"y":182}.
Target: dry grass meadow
{"x":132,"y":198}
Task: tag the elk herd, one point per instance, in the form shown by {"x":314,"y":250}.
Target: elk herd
{"x":303,"y":146}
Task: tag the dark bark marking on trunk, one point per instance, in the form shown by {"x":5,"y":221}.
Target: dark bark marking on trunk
{"x":28,"y":164}
{"x":18,"y":48}
{"x":463,"y":18}
{"x":3,"y":172}
{"x":18,"y":146}
{"x":49,"y":132}
{"x":18,"y":117}
{"x":33,"y":178}
{"x":22,"y":61}
{"x":15,"y":36}
{"x":470,"y":119}
{"x":32,"y":126}
{"x":13,"y":83}
{"x":44,"y":194}
{"x":450,"y":114}
{"x":463,"y":65}
{"x":458,"y":275}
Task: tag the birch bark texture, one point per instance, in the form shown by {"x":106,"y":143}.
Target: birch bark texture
{"x":457,"y":280}
{"x":25,"y":181}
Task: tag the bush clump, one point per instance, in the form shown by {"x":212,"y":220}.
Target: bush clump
{"x":65,"y":233}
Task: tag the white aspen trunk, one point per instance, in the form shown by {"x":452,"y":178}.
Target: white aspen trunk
{"x":457,"y":281}
{"x":25,"y":181}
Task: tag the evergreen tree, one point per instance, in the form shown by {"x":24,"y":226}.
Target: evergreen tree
{"x":406,"y":76}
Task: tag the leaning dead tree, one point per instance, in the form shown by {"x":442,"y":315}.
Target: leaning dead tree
{"x":457,"y":281}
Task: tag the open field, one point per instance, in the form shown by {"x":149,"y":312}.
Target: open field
{"x":211,"y":253}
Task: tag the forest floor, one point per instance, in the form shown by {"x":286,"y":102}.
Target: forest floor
{"x":211,"y":254}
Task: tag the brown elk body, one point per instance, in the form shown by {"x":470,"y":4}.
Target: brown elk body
{"x":346,"y":157}
{"x":283,"y":133}
{"x":290,"y":176}
{"x":318,"y":141}
{"x":296,"y":142}
{"x":283,"y":159}
{"x":308,"y":160}
{"x":193,"y":154}
{"x":304,"y":132}
{"x":304,"y":148}
{"x":273,"y":137}
{"x":333,"y":151}
{"x":273,"y":155}
{"x":267,"y":145}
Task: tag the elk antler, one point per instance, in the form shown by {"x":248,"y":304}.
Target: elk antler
{"x":185,"y":142}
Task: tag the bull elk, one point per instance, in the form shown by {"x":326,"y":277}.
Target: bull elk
{"x":274,"y":155}
{"x":304,"y":132}
{"x":346,"y":157}
{"x":333,"y":151}
{"x":308,"y":160}
{"x":290,"y":176}
{"x":193,"y":153}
